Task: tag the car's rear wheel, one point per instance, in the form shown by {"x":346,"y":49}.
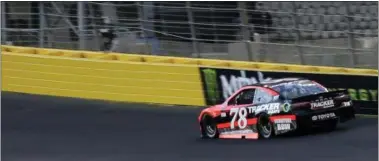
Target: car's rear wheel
{"x":265,"y":127}
{"x":209,"y":128}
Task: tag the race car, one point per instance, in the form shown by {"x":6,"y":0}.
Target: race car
{"x":276,"y":107}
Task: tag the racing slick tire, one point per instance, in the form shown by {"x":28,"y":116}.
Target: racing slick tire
{"x":209,"y":128}
{"x":265,"y":127}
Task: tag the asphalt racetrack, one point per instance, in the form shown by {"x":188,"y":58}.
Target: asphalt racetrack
{"x":41,"y":128}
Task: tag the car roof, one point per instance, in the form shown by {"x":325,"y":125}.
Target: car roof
{"x":274,"y":82}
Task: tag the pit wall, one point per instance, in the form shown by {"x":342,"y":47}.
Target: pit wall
{"x":130,"y":77}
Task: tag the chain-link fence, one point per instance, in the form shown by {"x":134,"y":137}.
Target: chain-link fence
{"x":316,"y":33}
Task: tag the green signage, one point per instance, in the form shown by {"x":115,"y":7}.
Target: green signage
{"x":212,"y":91}
{"x":360,"y":94}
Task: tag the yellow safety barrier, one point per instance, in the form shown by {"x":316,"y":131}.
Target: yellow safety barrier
{"x":124,"y":77}
{"x":72,"y":76}
{"x":190,"y":61}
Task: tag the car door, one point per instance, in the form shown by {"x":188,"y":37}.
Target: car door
{"x":243,"y":98}
{"x":235,"y":109}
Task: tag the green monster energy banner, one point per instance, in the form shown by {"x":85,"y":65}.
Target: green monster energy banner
{"x":219,"y":84}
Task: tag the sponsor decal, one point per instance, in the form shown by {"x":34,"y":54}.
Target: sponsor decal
{"x":314,"y":118}
{"x":324,"y":116}
{"x":281,"y":127}
{"x":241,"y":131}
{"x":347,"y":104}
{"x":280,"y":121}
{"x":271,"y":108}
{"x":322,"y":103}
{"x":286,"y":107}
{"x":283,"y":124}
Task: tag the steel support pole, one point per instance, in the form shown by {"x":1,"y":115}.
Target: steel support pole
{"x":195,"y":46}
{"x":145,"y":11}
{"x":95,"y":28}
{"x":55,"y":6}
{"x":350,"y":35}
{"x":141,"y":16}
{"x":296,"y":29}
{"x":81,"y":25}
{"x":142,"y":22}
{"x":42,"y":24}
{"x":245,"y":29}
{"x":3,"y":22}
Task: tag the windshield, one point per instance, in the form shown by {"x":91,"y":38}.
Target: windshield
{"x":296,"y":89}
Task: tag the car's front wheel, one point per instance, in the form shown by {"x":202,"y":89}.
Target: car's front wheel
{"x":209,"y":127}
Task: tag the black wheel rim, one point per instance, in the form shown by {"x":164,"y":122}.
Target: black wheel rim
{"x":265,"y":127}
{"x":209,"y":127}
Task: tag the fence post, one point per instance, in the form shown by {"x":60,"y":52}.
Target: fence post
{"x":350,"y":35}
{"x":3,"y":23}
{"x":141,"y":16}
{"x":245,"y":30}
{"x":145,"y":26}
{"x":81,"y":25}
{"x":296,"y":29}
{"x":141,"y":20}
{"x":195,"y":46}
{"x":42,"y":24}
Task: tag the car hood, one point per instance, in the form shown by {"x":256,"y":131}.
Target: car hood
{"x":212,"y":110}
{"x":215,"y":107}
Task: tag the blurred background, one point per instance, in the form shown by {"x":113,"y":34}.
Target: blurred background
{"x":343,"y":34}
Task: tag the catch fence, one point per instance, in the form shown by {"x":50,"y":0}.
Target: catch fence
{"x":316,"y":33}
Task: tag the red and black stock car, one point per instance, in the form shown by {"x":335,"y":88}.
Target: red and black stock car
{"x":276,"y":107}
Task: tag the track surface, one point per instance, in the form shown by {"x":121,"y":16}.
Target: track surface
{"x":40,"y":128}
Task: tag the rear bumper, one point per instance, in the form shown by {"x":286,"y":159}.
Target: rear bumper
{"x":320,"y":117}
